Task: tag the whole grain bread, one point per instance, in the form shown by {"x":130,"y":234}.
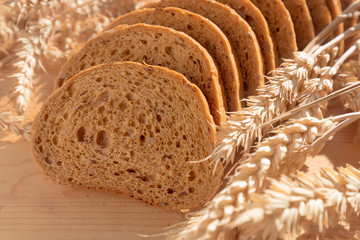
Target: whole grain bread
{"x":253,"y":16}
{"x":131,"y":129}
{"x":335,"y":10}
{"x":320,"y":14}
{"x":300,"y":15}
{"x":203,"y":31}
{"x":154,"y":45}
{"x":280,"y":25}
{"x":241,"y":36}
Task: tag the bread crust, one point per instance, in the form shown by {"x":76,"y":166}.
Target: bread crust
{"x":281,"y":27}
{"x":242,"y":38}
{"x":154,"y":45}
{"x":301,"y":18}
{"x":201,"y":30}
{"x":253,"y":16}
{"x":320,"y":14}
{"x":119,"y":164}
{"x":335,"y":10}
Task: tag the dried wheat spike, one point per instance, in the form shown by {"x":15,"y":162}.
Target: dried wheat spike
{"x":285,"y":152}
{"x":288,"y":206}
{"x":15,"y":124}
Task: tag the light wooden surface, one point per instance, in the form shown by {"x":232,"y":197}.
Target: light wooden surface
{"x":33,"y":207}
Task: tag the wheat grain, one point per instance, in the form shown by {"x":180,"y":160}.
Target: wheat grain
{"x":15,"y":124}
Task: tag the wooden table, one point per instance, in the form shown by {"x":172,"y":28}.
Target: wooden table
{"x":33,"y":207}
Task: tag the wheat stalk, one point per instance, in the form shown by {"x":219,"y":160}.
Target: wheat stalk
{"x":287,"y":205}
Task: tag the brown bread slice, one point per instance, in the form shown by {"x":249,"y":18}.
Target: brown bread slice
{"x":238,"y":31}
{"x":300,"y":15}
{"x":335,"y":10}
{"x":154,"y":45}
{"x":349,"y":23}
{"x":252,"y":15}
{"x":320,"y":14}
{"x":203,"y":31}
{"x":280,"y":25}
{"x":131,"y":129}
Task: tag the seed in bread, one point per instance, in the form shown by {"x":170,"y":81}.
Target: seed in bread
{"x":131,"y":129}
{"x":154,"y":45}
{"x":241,"y":36}
{"x":203,"y":31}
{"x":300,"y":15}
{"x":252,"y":15}
{"x":280,"y":25}
{"x":320,"y":14}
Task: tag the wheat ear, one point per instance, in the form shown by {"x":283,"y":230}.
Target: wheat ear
{"x":282,"y":153}
{"x":289,"y":205}
{"x":15,"y":124}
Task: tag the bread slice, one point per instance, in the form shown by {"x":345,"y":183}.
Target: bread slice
{"x":238,"y":31}
{"x":154,"y":45}
{"x":300,"y":15}
{"x":320,"y":14}
{"x":280,"y":25}
{"x":203,"y":31}
{"x":131,"y":129}
{"x":335,"y":11}
{"x":252,"y":15}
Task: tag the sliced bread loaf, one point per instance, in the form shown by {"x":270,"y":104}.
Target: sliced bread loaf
{"x":131,"y":129}
{"x":153,"y":45}
{"x":300,"y":15}
{"x":238,"y":31}
{"x":203,"y":31}
{"x":320,"y":14}
{"x":253,"y":16}
{"x":280,"y":25}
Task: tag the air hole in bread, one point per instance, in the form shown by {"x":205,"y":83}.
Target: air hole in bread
{"x":83,"y":57}
{"x":101,"y":109}
{"x":189,"y":27}
{"x":99,"y":79}
{"x":170,"y":191}
{"x":142,"y":140}
{"x":142,"y":118}
{"x":46,"y":116}
{"x":132,"y":153}
{"x":102,"y":139}
{"x":144,"y":178}
{"x":178,"y":144}
{"x":47,"y":160}
{"x":130,"y":96}
{"x":83,"y":66}
{"x":123,"y":105}
{"x":59,"y":163}
{"x":140,"y":191}
{"x":90,"y":174}
{"x":130,"y":170}
{"x":170,"y":50}
{"x":55,"y":140}
{"x":191,"y":190}
{"x":145,"y":58}
{"x":184,"y":137}
{"x":159,"y":186}
{"x":81,"y":134}
{"x":115,"y":162}
{"x":158,"y":118}
{"x":144,"y":42}
{"x":92,"y":64}
{"x":102,"y":97}
{"x":157,"y":129}
{"x":105,"y":121}
{"x":125,"y":53}
{"x":158,"y":35}
{"x":115,"y":51}
{"x":156,"y":48}
{"x":70,"y":179}
{"x":192,"y":176}
{"x":116,"y":174}
{"x":41,"y":149}
{"x":126,"y":134}
{"x":167,"y":167}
